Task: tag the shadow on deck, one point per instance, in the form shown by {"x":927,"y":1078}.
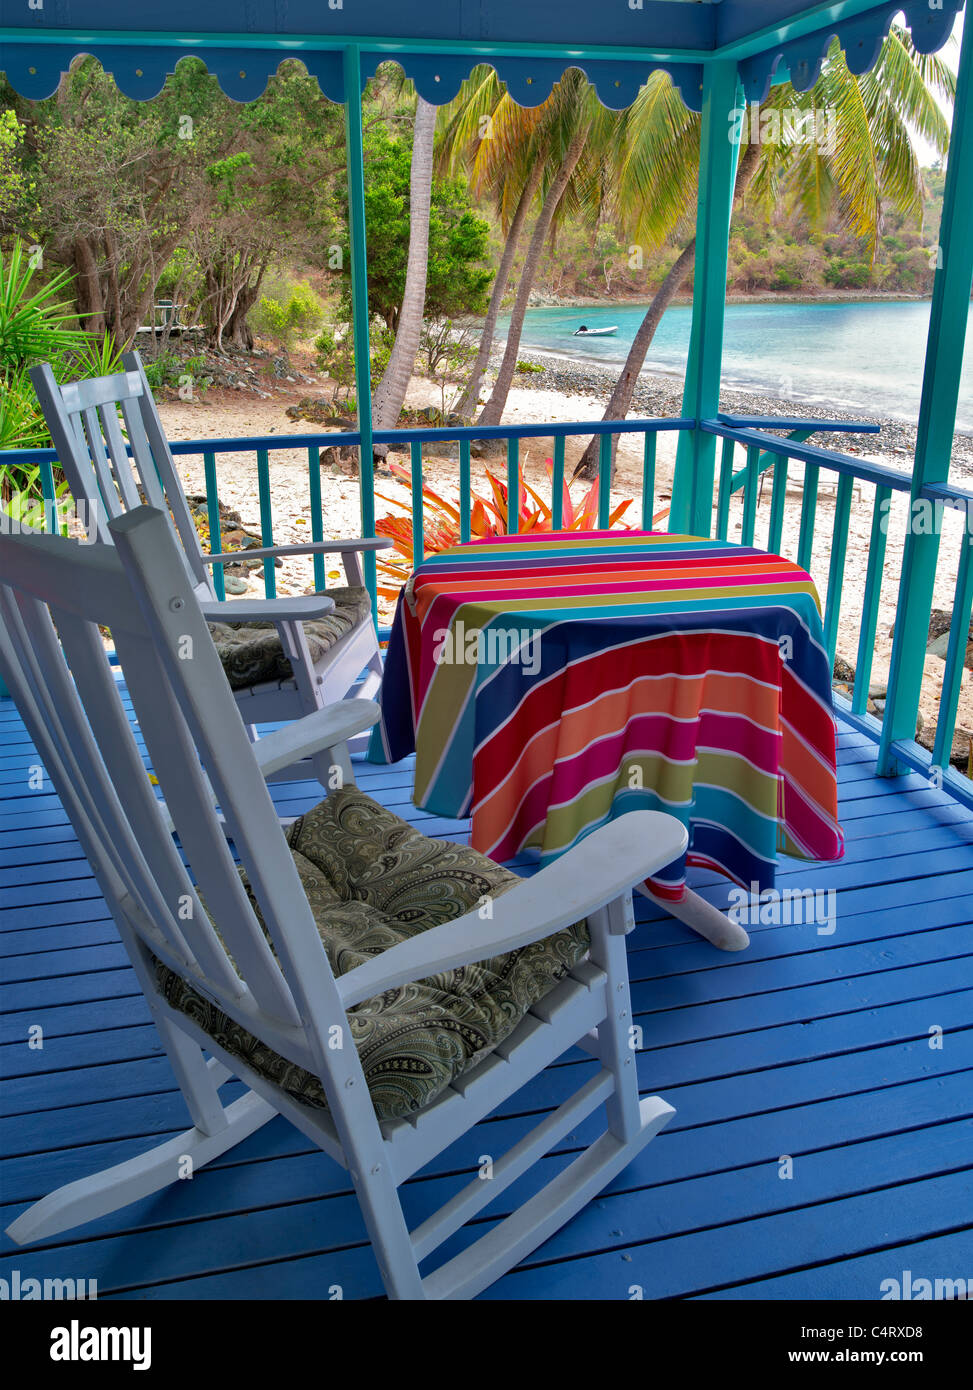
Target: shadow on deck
{"x":822,"y":1084}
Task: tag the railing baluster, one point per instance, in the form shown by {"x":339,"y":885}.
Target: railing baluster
{"x":513,"y":486}
{"x":724,"y":494}
{"x":778,"y":500}
{"x":809,"y":508}
{"x":49,"y":493}
{"x":648,"y":479}
{"x":266,"y":520}
{"x":465,"y":488}
{"x":604,"y":480}
{"x":557,"y":485}
{"x":955,"y":654}
{"x":213,"y":515}
{"x":418,"y":523}
{"x":873,"y":592}
{"x":317,"y":513}
{"x":750,"y":495}
{"x":836,"y":570}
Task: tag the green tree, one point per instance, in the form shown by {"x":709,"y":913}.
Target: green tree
{"x":124,"y":189}
{"x":458,"y":274}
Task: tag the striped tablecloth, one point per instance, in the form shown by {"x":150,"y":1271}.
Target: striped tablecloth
{"x":550,"y":683}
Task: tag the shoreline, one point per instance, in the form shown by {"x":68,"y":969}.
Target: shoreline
{"x":658,"y":393}
{"x":540,"y":300}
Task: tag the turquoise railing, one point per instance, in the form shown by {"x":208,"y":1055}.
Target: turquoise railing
{"x":765,"y":452}
{"x":413,"y":441}
{"x":766,"y":457}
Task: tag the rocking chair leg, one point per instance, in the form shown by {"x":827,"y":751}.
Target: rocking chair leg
{"x":113,"y":1188}
{"x":368,"y":690}
{"x":387,"y":1230}
{"x":705,"y":919}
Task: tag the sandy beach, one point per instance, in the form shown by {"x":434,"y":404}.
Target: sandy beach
{"x":549,"y":397}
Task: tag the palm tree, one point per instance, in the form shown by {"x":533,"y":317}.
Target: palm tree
{"x":871,"y":164}
{"x":484,"y":133}
{"x":390,"y":392}
{"x":574,"y":124}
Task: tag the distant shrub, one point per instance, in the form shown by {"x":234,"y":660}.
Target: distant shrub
{"x":292,"y":314}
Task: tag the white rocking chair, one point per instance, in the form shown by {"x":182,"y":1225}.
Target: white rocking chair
{"x":105,"y":482}
{"x":256,"y":956}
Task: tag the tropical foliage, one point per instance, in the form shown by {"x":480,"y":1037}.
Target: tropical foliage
{"x":488,"y":517}
{"x":37,"y":324}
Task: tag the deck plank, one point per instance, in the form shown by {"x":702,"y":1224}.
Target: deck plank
{"x":809,"y":1045}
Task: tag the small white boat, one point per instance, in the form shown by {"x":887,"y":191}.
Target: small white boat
{"x":585,"y":332}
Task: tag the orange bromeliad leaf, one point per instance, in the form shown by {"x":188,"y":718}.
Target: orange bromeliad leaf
{"x":480,"y":523}
{"x":499,"y":505}
{"x":397,"y":470}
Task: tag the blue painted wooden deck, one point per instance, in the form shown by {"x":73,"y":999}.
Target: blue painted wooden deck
{"x":812,"y":1046}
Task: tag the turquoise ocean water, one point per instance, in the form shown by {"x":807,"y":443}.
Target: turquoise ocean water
{"x":848,"y":357}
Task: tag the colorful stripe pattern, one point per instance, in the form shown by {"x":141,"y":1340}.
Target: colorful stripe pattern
{"x":550,"y":683}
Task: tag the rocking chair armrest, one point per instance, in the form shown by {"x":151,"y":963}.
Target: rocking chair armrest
{"x":231,"y":557}
{"x":321,"y":729}
{"x":592,"y":874}
{"x":300,"y":608}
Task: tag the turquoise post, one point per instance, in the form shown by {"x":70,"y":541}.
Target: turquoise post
{"x":266,"y":520}
{"x":955,"y":655}
{"x":604,"y":480}
{"x":692,"y":491}
{"x":648,"y":479}
{"x":355,"y":159}
{"x":557,"y":485}
{"x":317,"y":514}
{"x":513,"y":486}
{"x":870,"y":601}
{"x":418,"y":522}
{"x":213,"y":514}
{"x":464,"y":490}
{"x":937,"y":417}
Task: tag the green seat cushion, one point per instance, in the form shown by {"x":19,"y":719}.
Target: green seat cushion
{"x":252,"y":652}
{"x":373,"y":881}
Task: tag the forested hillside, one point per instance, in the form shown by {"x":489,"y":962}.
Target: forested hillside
{"x":770,"y":252}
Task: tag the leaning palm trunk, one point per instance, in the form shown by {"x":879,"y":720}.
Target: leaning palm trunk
{"x":390,"y":393}
{"x":471,"y":393}
{"x":493,"y":410}
{"x":621,"y":397}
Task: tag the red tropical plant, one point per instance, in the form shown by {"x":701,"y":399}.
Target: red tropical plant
{"x":488,"y":517}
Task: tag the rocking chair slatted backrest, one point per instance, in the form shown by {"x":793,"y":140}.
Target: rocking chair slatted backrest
{"x":63,"y":683}
{"x":105,"y":475}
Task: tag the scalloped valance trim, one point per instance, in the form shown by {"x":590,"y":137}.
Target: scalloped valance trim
{"x":243,"y":74}
{"x":861,"y":39}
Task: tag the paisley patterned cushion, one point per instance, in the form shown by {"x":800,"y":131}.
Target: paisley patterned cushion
{"x":372,"y":881}
{"x":251,"y":652}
